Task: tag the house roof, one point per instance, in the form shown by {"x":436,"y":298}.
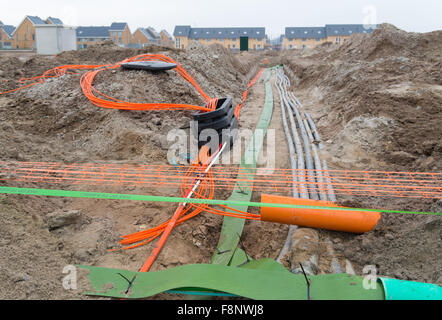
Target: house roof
{"x":1,"y":23}
{"x":219,"y":33}
{"x":324,"y":32}
{"x":346,"y":29}
{"x":181,"y":31}
{"x":8,"y":29}
{"x":93,"y":32}
{"x":146,"y":33}
{"x":166,"y":33}
{"x":36,"y":20}
{"x":305,"y":33}
{"x":118,"y":26}
{"x":55,"y":20}
{"x":153,"y":32}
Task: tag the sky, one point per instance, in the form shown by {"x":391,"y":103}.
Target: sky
{"x":274,"y":15}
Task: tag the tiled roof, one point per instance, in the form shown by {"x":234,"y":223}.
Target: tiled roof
{"x":93,"y":32}
{"x":8,"y":29}
{"x":36,"y":20}
{"x":146,"y":33}
{"x":181,"y":31}
{"x":1,"y":23}
{"x":346,"y":29}
{"x":305,"y":33}
{"x":324,"y":32}
{"x":219,"y":33}
{"x":153,"y":32}
{"x":118,"y":26}
{"x":166,"y":33}
{"x":55,"y":20}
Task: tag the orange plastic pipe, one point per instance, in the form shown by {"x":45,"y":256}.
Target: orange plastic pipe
{"x":338,"y":220}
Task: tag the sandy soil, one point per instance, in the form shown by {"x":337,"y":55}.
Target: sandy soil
{"x":376,"y":102}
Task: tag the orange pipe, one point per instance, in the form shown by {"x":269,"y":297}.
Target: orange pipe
{"x":338,"y":220}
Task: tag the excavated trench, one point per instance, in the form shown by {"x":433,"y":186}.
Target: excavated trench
{"x":62,"y":126}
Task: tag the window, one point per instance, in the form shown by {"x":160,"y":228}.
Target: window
{"x":290,"y":46}
{"x":26,"y":37}
{"x":233,"y":46}
{"x":33,"y":37}
{"x":120,"y":34}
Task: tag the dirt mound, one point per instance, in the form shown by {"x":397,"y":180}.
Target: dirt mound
{"x":377,"y":102}
{"x":387,"y":40}
{"x":361,"y":93}
{"x":55,"y":122}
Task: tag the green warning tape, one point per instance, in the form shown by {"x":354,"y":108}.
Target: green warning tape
{"x":232,"y":228}
{"x":258,"y":279}
{"x":138,"y":197}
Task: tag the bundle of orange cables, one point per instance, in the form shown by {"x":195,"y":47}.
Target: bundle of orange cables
{"x":204,"y":188}
{"x":104,"y":101}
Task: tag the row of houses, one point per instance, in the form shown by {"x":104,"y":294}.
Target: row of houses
{"x":24,"y":35}
{"x":231,"y":38}
{"x":256,"y":39}
{"x":309,"y":37}
{"x":120,"y":34}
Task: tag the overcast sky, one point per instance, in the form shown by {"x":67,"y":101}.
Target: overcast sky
{"x":274,"y":15}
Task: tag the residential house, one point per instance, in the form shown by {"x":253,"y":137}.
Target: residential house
{"x":120,"y":33}
{"x":303,"y":37}
{"x":338,"y":33}
{"x":24,"y":34}
{"x":231,"y":38}
{"x":309,"y":37}
{"x":146,"y":36}
{"x":87,"y":36}
{"x":6,"y":38}
{"x":166,"y":39}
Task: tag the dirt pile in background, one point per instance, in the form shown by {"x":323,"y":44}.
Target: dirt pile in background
{"x":381,"y":96}
{"x":377,"y":102}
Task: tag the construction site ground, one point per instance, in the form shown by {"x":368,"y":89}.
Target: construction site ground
{"x":376,"y":101}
